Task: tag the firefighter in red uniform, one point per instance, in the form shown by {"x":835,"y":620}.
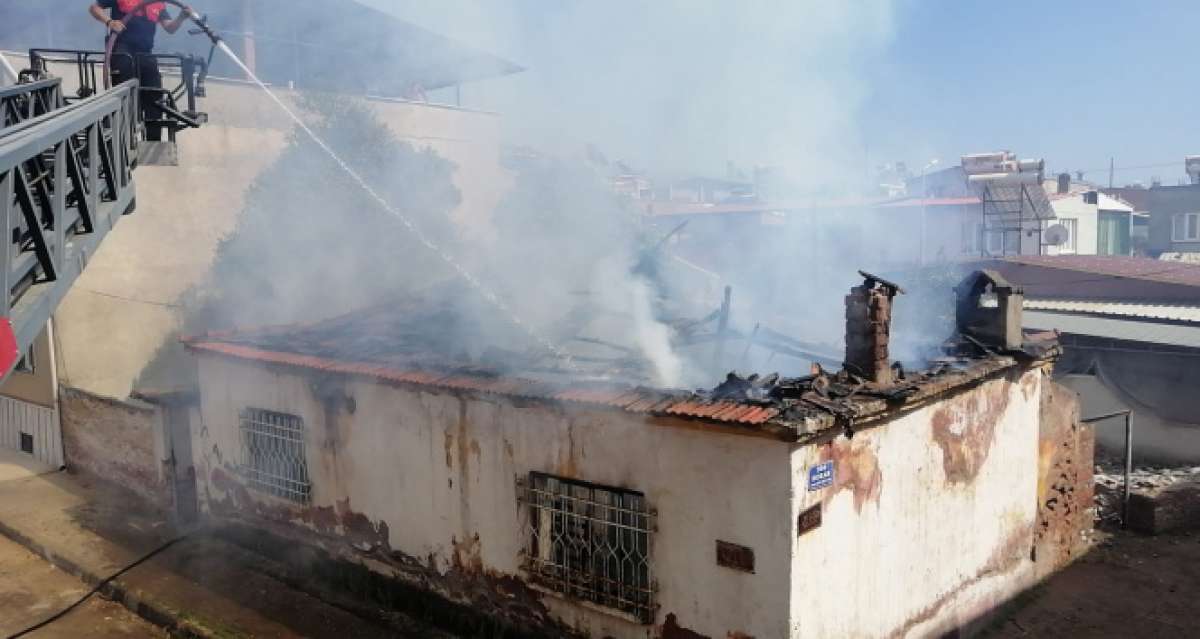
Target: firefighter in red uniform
{"x":135,"y":42}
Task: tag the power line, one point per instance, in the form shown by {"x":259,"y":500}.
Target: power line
{"x":1130,"y":168}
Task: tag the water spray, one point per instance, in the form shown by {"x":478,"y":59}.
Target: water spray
{"x":200,"y":21}
{"x":424,"y":239}
{"x":470,"y":278}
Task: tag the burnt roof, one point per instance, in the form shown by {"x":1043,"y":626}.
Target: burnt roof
{"x":392,"y":343}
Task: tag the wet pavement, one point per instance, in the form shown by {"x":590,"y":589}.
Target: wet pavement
{"x":31,"y":590}
{"x":201,"y":585}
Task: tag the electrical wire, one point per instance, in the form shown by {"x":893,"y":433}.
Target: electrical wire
{"x":1160,"y":165}
{"x":95,"y":589}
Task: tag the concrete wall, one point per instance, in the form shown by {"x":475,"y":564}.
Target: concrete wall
{"x":115,"y":441}
{"x":929,"y":522}
{"x":1155,"y":439}
{"x":430,"y":477}
{"x":1165,"y":202}
{"x":137,"y":276}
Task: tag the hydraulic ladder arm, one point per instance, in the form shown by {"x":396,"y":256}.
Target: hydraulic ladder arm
{"x":66,"y":177}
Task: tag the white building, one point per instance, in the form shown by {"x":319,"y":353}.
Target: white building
{"x":1095,"y":223}
{"x":565,"y":507}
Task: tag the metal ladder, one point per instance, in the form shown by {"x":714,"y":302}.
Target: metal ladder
{"x":66,"y":177}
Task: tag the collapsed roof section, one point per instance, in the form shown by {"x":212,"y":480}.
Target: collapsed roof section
{"x":413,"y":344}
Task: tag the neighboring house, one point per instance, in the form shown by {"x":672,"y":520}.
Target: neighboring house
{"x":1131,"y":337}
{"x":564,"y":506}
{"x":1175,"y":219}
{"x":29,"y":418}
{"x":1137,"y":198}
{"x":950,"y":225}
{"x":1173,"y":213}
{"x":703,"y":190}
{"x":633,"y":186}
{"x":1095,"y":223}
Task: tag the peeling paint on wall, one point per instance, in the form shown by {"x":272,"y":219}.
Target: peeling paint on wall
{"x":855,"y":468}
{"x":964,"y":427}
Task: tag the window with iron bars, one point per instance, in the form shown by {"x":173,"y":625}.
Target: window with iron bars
{"x":589,"y":542}
{"x":273,"y":459}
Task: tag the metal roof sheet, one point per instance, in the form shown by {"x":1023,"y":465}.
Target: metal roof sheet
{"x":1173,"y":312}
{"x":1117,"y":266}
{"x":1132,"y":330}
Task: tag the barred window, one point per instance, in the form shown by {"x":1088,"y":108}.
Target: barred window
{"x":589,"y":542}
{"x":273,"y":459}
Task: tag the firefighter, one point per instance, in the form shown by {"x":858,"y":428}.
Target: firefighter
{"x":131,"y":56}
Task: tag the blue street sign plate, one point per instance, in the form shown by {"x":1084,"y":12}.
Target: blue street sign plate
{"x":820,"y":476}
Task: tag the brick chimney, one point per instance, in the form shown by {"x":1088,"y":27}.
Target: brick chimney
{"x":868,"y":328}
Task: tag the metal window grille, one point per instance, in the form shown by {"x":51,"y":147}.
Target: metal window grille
{"x":589,"y":542}
{"x":273,"y":458}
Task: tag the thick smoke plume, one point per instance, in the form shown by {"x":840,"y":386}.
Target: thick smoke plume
{"x":667,"y":88}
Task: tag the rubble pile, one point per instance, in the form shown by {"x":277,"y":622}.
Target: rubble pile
{"x":1148,"y":480}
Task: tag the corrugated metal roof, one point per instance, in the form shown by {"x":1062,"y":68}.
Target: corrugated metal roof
{"x":1115,"y":266}
{"x":1178,"y":313}
{"x":1132,"y":330}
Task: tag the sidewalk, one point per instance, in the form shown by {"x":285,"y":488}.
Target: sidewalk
{"x":199,"y":587}
{"x":31,"y":590}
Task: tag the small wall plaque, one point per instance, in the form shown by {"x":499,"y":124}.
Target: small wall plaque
{"x":735,"y":556}
{"x":809,"y":520}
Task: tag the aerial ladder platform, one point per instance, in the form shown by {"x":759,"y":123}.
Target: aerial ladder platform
{"x":67,"y":165}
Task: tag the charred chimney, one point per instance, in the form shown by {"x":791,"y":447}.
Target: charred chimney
{"x":868,"y":328}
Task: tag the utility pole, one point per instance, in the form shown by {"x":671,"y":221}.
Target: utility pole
{"x":1110,"y":172}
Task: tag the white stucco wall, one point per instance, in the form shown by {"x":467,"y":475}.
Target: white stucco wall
{"x":440,"y":470}
{"x":917,"y":539}
{"x":1072,"y":207}
{"x":928,"y":525}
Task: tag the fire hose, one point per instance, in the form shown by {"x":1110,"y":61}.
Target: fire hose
{"x":200,"y":21}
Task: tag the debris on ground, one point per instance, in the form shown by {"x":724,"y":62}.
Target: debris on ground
{"x":1162,"y":496}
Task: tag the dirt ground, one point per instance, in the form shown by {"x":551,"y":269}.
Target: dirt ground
{"x":1129,"y":585}
{"x":31,"y":590}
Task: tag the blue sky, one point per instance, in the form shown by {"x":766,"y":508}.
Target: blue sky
{"x":672,"y":83}
{"x":1073,"y":82}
